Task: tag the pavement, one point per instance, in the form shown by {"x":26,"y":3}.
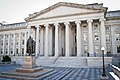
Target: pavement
{"x":66,"y":73}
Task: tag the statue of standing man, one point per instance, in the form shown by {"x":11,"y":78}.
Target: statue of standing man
{"x":30,"y":46}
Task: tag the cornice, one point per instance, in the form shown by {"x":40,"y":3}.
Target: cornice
{"x":16,"y":28}
{"x":68,"y":15}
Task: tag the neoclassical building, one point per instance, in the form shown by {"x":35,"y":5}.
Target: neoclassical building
{"x":66,"y":34}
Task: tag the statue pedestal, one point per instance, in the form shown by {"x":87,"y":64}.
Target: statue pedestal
{"x":29,"y":62}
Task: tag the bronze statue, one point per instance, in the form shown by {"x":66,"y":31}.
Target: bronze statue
{"x":30,"y":46}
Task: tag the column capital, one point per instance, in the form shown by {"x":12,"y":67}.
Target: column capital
{"x":89,"y":20}
{"x":46,"y":25}
{"x":37,"y":26}
{"x":42,"y":27}
{"x":102,"y":19}
{"x":56,"y":24}
{"x":66,"y":23}
{"x":77,"y":21}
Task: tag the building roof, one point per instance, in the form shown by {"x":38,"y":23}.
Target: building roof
{"x":94,"y":6}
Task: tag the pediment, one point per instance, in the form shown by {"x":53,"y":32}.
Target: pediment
{"x":59,"y":9}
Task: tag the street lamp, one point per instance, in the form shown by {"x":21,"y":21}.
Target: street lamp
{"x":103,"y":49}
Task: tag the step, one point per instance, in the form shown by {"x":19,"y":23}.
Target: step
{"x":29,"y":75}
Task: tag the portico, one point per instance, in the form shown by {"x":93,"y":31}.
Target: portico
{"x":50,"y":44}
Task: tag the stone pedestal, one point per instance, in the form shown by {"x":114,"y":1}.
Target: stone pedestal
{"x":29,"y":62}
{"x":29,"y":70}
{"x":104,"y":78}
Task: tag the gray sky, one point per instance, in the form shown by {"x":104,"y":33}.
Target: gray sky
{"x":13,"y":11}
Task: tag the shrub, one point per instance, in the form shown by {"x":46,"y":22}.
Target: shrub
{"x":6,"y":58}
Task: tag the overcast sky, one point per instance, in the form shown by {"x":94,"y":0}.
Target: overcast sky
{"x":13,"y":11}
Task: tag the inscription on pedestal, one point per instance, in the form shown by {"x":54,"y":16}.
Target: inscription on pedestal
{"x":29,"y":62}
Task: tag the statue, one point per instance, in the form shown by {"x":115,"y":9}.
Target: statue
{"x":30,"y":46}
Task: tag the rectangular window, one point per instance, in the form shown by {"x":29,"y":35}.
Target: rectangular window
{"x":96,"y":49}
{"x":108,"y":48}
{"x":118,"y":49}
{"x":1,"y":51}
{"x":96,"y":27}
{"x":96,"y":38}
{"x":107,"y":37}
{"x":11,"y":51}
{"x":6,"y":51}
{"x":22,"y":42}
{"x":107,"y":28}
{"x":117,"y":35}
{"x":17,"y":43}
{"x":85,"y":36}
{"x":17,"y":50}
{"x":2,"y":42}
{"x":75,"y":39}
{"x":85,"y":48}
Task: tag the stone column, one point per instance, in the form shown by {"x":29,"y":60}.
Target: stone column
{"x":46,"y":40}
{"x":103,"y":35}
{"x":9,"y":44}
{"x":37,"y":40}
{"x":14,"y":45}
{"x":90,"y":37}
{"x":56,"y":40}
{"x":78,"y":38}
{"x":60,"y":41}
{"x":67,"y":39}
{"x":25,"y":43}
{"x":19,"y":46}
{"x":29,"y":32}
{"x":41,"y":41}
{"x":4,"y":44}
{"x":50,"y":41}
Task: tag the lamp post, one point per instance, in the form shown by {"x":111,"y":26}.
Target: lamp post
{"x":103,"y":49}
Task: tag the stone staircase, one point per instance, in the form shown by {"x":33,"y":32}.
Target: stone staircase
{"x":70,"y":62}
{"x":62,"y":62}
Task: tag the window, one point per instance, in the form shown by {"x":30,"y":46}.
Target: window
{"x":17,"y":36}
{"x":107,"y":37}
{"x":96,"y":36}
{"x":6,"y":51}
{"x":17,"y":50}
{"x":117,"y":35}
{"x":84,"y":27}
{"x":17,"y":43}
{"x":22,"y":42}
{"x":1,"y":51}
{"x":107,"y":28}
{"x":96,"y":27}
{"x":2,"y":42}
{"x":85,"y":48}
{"x":85,"y":36}
{"x":108,"y":48}
{"x":11,"y":51}
{"x":118,"y":49}
{"x":96,"y":49}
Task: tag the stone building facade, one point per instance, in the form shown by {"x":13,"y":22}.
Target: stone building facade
{"x":64,"y":32}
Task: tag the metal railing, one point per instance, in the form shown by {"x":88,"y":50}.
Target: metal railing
{"x":115,"y":70}
{"x":56,"y":59}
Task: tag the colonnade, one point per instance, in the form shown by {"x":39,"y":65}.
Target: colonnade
{"x":67,"y":37}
